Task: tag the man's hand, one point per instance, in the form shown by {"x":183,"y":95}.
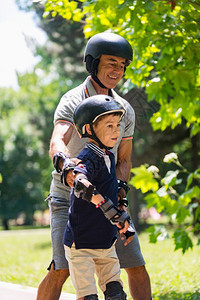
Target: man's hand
{"x":128,"y":237}
{"x":122,"y":207}
{"x":127,"y":240}
{"x":124,"y":228}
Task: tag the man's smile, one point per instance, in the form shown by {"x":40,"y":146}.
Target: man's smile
{"x":112,"y":77}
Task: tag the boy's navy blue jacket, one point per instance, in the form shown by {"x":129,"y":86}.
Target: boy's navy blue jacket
{"x":87,"y":226}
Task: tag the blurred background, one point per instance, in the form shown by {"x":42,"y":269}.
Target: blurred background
{"x":40,"y":60}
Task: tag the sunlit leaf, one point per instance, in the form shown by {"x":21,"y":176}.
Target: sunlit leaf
{"x":143,"y":179}
{"x":182,"y":240}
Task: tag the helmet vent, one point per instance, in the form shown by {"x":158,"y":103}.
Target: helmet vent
{"x":107,"y":99}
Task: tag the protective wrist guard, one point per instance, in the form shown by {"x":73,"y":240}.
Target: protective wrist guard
{"x":123,"y":202}
{"x":130,"y":231}
{"x":68,"y":164}
{"x":122,"y":192}
{"x":82,"y":191}
{"x":114,"y":214}
{"x":58,"y":156}
{"x":123,"y":184}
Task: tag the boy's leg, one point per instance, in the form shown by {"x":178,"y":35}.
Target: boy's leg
{"x":108,"y":272}
{"x":131,"y":259}
{"x":82,"y":269}
{"x":114,"y":291}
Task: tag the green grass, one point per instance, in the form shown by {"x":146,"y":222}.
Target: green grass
{"x":25,"y":254}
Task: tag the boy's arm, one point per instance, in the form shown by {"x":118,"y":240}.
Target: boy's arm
{"x":83,"y":188}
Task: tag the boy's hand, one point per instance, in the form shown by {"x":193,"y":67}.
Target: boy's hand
{"x":70,"y":178}
{"x":70,"y":175}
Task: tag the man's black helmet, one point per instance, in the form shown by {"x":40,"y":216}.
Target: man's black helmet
{"x":90,"y":109}
{"x":108,"y":44}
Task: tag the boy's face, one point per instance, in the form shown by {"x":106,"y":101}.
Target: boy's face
{"x":107,"y":129}
{"x":110,"y":70}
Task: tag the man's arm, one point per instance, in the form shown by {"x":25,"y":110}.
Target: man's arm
{"x":123,"y":168}
{"x":60,"y":138}
{"x":61,"y":135}
{"x":123,"y":165}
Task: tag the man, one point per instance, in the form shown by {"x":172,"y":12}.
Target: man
{"x":106,"y":57}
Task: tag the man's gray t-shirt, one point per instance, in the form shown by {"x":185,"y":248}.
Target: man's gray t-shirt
{"x":64,"y":113}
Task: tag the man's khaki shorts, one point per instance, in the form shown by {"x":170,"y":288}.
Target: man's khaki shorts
{"x":83,"y":263}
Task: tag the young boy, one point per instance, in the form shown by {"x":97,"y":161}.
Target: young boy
{"x":93,"y":215}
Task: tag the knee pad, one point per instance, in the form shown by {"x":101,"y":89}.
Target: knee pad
{"x":91,"y":297}
{"x":114,"y":291}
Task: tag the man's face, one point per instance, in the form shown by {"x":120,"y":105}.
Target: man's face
{"x":110,"y":70}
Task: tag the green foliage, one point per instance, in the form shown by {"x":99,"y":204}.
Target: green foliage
{"x":167,"y":196}
{"x":182,"y":240}
{"x":157,"y":233}
{"x":143,"y":179}
{"x":165,"y":43}
{"x":64,"y":48}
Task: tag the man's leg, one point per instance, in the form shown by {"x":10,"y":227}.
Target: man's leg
{"x":139,"y":283}
{"x":131,"y":259}
{"x":51,"y":286}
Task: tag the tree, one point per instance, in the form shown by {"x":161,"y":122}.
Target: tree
{"x":64,"y":48}
{"x":166,"y":42}
{"x":26,"y":124}
{"x":20,"y":186}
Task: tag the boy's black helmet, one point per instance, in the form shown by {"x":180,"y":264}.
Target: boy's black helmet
{"x":108,"y":44}
{"x":90,"y":109}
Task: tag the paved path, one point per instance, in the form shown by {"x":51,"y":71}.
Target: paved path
{"x":10,"y":291}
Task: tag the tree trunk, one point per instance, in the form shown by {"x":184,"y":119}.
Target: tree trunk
{"x":29,"y":218}
{"x":5,"y":224}
{"x":134,"y":206}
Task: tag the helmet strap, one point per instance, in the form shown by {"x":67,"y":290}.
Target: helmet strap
{"x":93,"y":72}
{"x":92,"y":67}
{"x":95,"y":138}
{"x":96,"y":79}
